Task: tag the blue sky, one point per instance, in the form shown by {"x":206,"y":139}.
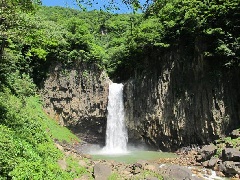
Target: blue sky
{"x":97,"y":4}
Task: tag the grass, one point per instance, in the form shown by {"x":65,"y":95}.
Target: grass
{"x":56,"y":131}
{"x":27,"y":150}
{"x":75,"y":169}
{"x":115,"y":176}
{"x":146,"y":174}
{"x":60,"y":133}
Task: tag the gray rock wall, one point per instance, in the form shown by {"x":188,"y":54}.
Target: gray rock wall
{"x":76,"y":96}
{"x":181,"y":99}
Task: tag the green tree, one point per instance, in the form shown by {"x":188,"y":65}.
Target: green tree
{"x":10,"y":26}
{"x":9,"y":16}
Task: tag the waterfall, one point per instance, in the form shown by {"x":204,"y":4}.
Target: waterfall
{"x":116,"y":133}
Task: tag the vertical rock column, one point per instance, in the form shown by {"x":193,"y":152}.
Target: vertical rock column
{"x":184,"y":100}
{"x":77,"y":97}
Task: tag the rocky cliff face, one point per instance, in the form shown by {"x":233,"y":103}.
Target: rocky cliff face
{"x":77,"y":97}
{"x":182,"y":99}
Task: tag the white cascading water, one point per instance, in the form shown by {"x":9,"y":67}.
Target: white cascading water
{"x":116,"y":133}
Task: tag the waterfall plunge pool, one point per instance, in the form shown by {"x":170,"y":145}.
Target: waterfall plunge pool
{"x":132,"y":155}
{"x":116,"y":134}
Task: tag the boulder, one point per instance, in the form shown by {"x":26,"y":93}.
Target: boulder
{"x":101,"y":171}
{"x":235,"y":133}
{"x":135,"y":165}
{"x":213,"y":161}
{"x":205,"y":164}
{"x":177,"y":172}
{"x":231,"y":154}
{"x":230,"y":167}
{"x":136,"y":168}
{"x":198,"y":158}
{"x":207,"y":152}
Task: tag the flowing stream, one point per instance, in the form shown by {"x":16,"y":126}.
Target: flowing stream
{"x":116,"y":133}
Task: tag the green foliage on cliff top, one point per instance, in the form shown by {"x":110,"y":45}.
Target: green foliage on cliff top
{"x":114,"y":41}
{"x":208,"y":26}
{"x":64,"y":35}
{"x":217,"y":20}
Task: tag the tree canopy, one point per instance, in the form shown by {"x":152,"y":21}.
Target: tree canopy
{"x":33,"y":40}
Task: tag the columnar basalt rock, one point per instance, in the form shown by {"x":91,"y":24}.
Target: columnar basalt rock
{"x":77,"y":97}
{"x":181,"y":98}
